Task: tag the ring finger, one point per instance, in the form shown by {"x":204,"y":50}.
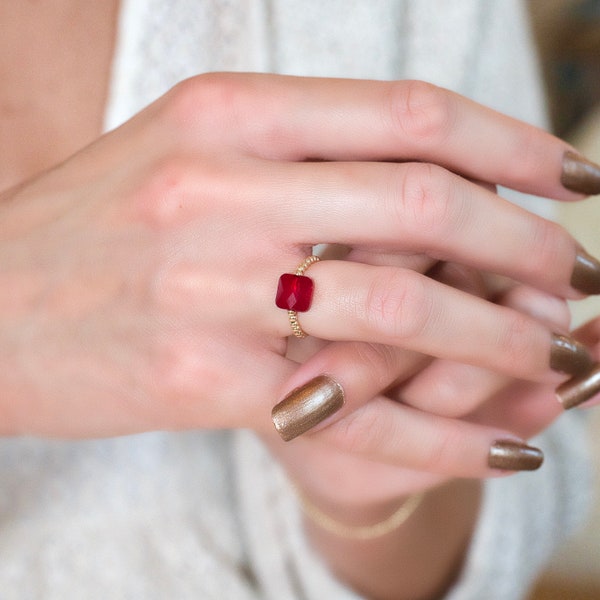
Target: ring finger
{"x":401,"y":308}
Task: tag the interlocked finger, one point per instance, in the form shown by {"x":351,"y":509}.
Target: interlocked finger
{"x":404,"y":309}
{"x":385,"y":431}
{"x":454,"y":389}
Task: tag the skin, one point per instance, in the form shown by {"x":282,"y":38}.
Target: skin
{"x":357,"y":490}
{"x":129,"y":264}
{"x":119,"y":296}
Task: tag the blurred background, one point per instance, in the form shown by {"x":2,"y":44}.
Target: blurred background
{"x":568,"y":37}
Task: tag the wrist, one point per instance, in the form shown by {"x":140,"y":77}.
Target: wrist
{"x":353,"y":525}
{"x":354,"y":509}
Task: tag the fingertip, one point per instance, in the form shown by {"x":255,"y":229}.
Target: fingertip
{"x":512,"y":455}
{"x":579,"y":390}
{"x":579,"y":174}
{"x":307,"y":406}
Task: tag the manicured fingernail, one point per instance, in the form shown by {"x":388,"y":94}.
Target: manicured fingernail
{"x":307,"y":406}
{"x":586,"y":273}
{"x":580,"y":389}
{"x":569,"y":356}
{"x":509,"y":455}
{"x":580,"y":174}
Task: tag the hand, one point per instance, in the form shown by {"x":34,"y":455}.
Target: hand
{"x":359,"y":468}
{"x":430,"y":420}
{"x":138,"y":277}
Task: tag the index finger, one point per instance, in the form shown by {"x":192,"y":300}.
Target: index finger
{"x":294,"y":118}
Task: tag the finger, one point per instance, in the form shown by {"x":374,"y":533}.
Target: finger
{"x":383,"y":257}
{"x":361,"y":370}
{"x":422,"y":262}
{"x":338,"y":380}
{"x":384,"y":480}
{"x":459,"y":277}
{"x":425,"y":209}
{"x":584,"y":390}
{"x":455,"y":389}
{"x":398,"y":307}
{"x":298,"y":118}
{"x":344,"y":375}
{"x":545,"y":308}
{"x":522,"y":407}
{"x":386,"y":431}
{"x":450,"y":389}
{"x":589,"y":333}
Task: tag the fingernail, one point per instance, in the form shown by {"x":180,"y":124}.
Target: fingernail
{"x":569,"y":356}
{"x":580,"y":174}
{"x":509,"y":455}
{"x":586,"y":273}
{"x":578,"y":390}
{"x":307,"y":406}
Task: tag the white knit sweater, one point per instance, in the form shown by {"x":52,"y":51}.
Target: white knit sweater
{"x":209,"y":515}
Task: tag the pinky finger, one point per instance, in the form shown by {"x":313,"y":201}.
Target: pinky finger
{"x":387,"y":432}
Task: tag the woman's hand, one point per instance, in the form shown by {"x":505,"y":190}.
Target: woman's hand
{"x":430,"y":420}
{"x":138,"y":277}
{"x":418,"y":434}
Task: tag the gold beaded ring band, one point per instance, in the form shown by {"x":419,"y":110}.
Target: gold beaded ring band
{"x":294,"y":294}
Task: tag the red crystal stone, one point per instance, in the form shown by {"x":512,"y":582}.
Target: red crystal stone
{"x":294,"y":292}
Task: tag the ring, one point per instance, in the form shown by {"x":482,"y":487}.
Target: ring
{"x":294,"y":294}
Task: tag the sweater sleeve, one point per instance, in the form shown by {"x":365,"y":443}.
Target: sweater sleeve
{"x":523,"y":518}
{"x":271,"y":525}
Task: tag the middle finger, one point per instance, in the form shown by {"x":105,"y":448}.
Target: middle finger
{"x":423,"y":208}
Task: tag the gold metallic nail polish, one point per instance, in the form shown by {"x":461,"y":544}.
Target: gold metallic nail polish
{"x":307,"y":406}
{"x":580,"y":174}
{"x":574,"y":392}
{"x":569,"y":356}
{"x":586,"y":273}
{"x":509,"y":455}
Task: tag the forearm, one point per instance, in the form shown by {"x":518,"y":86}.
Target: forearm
{"x":418,"y":560}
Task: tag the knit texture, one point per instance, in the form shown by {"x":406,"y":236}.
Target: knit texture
{"x":209,"y":515}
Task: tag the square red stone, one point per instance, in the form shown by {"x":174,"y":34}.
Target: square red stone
{"x":294,"y":292}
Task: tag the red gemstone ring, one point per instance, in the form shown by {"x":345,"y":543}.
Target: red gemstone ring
{"x":294,"y":294}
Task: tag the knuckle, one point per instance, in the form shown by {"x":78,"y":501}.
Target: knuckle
{"x":231,"y":109}
{"x":398,"y":305}
{"x":203,"y":99}
{"x":160,"y":196}
{"x":177,"y":370}
{"x":446,"y":390}
{"x":421,"y":112}
{"x":175,"y":187}
{"x":428,"y":201}
{"x":455,"y":393}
